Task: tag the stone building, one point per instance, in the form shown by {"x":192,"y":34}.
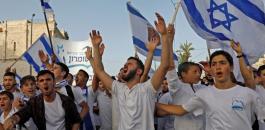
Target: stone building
{"x":17,"y":36}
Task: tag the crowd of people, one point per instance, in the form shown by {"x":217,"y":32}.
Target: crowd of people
{"x":172,"y":99}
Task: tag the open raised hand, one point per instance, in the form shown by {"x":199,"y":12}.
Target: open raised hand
{"x":154,"y":41}
{"x":160,"y":24}
{"x":95,"y":37}
{"x":43,"y":57}
{"x":89,"y":53}
{"x":53,"y":58}
{"x":236,"y":47}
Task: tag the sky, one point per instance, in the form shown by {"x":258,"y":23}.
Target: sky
{"x":110,"y":17}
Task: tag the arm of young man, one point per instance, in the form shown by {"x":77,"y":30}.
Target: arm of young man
{"x":167,"y":109}
{"x":76,"y":126}
{"x":151,"y":46}
{"x":79,"y":98}
{"x":11,"y":122}
{"x":163,"y":67}
{"x":96,"y":40}
{"x":84,"y":110}
{"x":21,"y":117}
{"x":172,"y":76}
{"x":194,"y":105}
{"x":245,"y":71}
{"x":95,"y":83}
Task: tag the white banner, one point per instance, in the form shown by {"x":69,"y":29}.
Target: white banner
{"x":72,"y":53}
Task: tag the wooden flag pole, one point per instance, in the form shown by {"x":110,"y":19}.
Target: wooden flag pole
{"x":46,"y":21}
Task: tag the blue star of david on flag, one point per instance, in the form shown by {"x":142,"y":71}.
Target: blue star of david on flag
{"x":229,"y":18}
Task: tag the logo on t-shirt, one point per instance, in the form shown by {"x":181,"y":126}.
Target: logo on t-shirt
{"x":238,"y":104}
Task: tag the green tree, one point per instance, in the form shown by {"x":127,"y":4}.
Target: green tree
{"x":184,"y":53}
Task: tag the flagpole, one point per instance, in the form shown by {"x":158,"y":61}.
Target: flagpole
{"x":172,"y":21}
{"x":209,"y":52}
{"x":46,"y":21}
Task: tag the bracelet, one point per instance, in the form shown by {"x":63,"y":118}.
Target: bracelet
{"x":242,"y":55}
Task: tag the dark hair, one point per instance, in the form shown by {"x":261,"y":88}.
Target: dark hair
{"x":43,"y":72}
{"x":260,"y":69}
{"x":113,"y":77}
{"x":9,"y":94}
{"x":64,"y":68}
{"x":139,"y":63}
{"x":71,"y":75}
{"x":86,"y":74}
{"x":10,"y":74}
{"x":27,"y":78}
{"x":185,"y":66}
{"x":223,"y":53}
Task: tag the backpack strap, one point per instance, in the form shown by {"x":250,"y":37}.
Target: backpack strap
{"x":70,"y":92}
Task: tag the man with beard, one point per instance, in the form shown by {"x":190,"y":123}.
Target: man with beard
{"x":136,"y":100}
{"x":49,"y":110}
{"x":9,"y":83}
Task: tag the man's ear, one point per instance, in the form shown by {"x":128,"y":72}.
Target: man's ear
{"x":139,"y":72}
{"x":63,"y":73}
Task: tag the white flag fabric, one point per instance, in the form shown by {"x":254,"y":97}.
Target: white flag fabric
{"x":219,"y":21}
{"x":141,"y":30}
{"x":72,"y":53}
{"x":32,"y":54}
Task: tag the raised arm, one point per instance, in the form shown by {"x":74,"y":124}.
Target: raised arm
{"x":96,"y":40}
{"x":89,"y":56}
{"x":95,"y":83}
{"x":163,"y":67}
{"x":171,"y":34}
{"x":172,"y":76}
{"x":245,"y":71}
{"x":151,"y":46}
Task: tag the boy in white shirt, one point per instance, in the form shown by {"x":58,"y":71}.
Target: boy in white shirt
{"x":6,"y":100}
{"x":227,"y":106}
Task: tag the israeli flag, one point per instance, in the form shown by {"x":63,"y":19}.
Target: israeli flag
{"x":141,"y":30}
{"x":32,"y":54}
{"x":46,"y":7}
{"x":219,"y":21}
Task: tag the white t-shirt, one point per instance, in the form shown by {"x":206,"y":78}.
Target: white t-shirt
{"x":182,"y":93}
{"x":54,"y":114}
{"x":227,"y":109}
{"x":136,"y":105}
{"x":105,"y":110}
{"x":115,"y":113}
{"x":261,"y":91}
{"x":166,"y":122}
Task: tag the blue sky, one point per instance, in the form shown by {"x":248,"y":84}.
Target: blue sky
{"x":111,"y":18}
